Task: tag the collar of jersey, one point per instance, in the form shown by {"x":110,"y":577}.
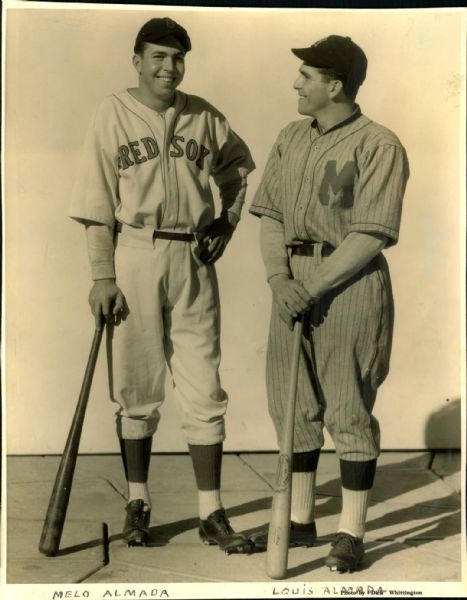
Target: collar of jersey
{"x":178,"y":105}
{"x":355,"y":115}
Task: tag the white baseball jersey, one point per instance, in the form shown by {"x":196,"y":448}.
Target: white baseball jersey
{"x":152,"y":171}
{"x":143,"y":168}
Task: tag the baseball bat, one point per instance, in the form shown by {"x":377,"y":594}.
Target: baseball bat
{"x":58,"y":504}
{"x":279,"y":526}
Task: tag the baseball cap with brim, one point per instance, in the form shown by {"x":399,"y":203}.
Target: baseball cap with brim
{"x":157,"y":29}
{"x":338,"y":53}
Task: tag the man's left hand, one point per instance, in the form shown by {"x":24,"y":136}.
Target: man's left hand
{"x":216,"y":238}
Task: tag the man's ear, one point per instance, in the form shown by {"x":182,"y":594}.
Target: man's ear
{"x":137,"y":63}
{"x":337,"y":87}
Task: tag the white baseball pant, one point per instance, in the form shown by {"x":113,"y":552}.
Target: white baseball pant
{"x":173,"y":320}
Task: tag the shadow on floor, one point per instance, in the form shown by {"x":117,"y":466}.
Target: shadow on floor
{"x":445,"y":523}
{"x":445,"y":512}
{"x":443,"y":427}
{"x":380,"y":549}
{"x":161,"y":535}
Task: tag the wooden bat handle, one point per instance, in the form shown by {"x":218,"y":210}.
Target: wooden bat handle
{"x":279,"y":527}
{"x":58,"y":504}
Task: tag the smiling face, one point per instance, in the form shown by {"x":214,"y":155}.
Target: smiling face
{"x":161,"y":68}
{"x":315,"y":91}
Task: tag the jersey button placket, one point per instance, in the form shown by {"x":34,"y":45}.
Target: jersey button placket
{"x":164,"y":158}
{"x":171,"y":195}
{"x":311,"y":166}
{"x":305,"y":195}
{"x":170,"y":217}
{"x":169,"y":209}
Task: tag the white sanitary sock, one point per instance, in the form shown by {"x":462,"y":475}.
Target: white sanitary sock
{"x":139,"y":491}
{"x":208,"y":502}
{"x":303,"y":497}
{"x":354,"y":508}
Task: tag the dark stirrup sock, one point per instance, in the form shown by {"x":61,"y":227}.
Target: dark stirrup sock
{"x":357,"y":475}
{"x":304,"y":462}
{"x":207,"y":463}
{"x":136,"y":455}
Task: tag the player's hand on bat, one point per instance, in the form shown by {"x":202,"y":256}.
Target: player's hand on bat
{"x":290,"y":296}
{"x":288,"y":320}
{"x":216,"y":238}
{"x":107,"y":302}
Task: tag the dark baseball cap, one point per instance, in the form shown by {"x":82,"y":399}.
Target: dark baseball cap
{"x":156,"y":29}
{"x":338,"y":53}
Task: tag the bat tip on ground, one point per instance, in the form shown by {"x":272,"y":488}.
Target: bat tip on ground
{"x":277,"y":574}
{"x":47,"y":552}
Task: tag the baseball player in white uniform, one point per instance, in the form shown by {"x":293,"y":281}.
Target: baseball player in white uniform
{"x":330,"y":201}
{"x":144,"y":195}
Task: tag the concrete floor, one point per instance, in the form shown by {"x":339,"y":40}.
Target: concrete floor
{"x":413,"y":528}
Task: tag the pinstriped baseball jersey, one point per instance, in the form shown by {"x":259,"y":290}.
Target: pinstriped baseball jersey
{"x":321,"y":187}
{"x":347,"y":339}
{"x":143,"y":168}
{"x":324,"y":186}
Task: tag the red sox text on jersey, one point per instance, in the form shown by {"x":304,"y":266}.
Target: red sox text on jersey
{"x":140,"y":151}
{"x":144,"y":168}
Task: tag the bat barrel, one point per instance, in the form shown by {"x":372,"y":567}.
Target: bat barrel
{"x":58,"y":504}
{"x":279,"y":527}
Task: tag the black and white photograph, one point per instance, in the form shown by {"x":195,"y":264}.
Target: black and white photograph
{"x":233,"y":312}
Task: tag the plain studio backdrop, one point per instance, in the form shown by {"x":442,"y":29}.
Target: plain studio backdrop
{"x":62,"y":60}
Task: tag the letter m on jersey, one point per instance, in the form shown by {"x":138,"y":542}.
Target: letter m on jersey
{"x":337,"y":188}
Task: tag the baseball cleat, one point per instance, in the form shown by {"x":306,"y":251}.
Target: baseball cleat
{"x":346,"y":553}
{"x":303,"y":535}
{"x":217,"y":531}
{"x":136,"y":526}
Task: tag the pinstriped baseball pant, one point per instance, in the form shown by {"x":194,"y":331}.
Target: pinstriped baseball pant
{"x":173,"y":321}
{"x":346,"y":347}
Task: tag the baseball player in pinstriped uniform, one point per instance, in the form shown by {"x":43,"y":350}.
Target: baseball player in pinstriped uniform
{"x":330,"y":200}
{"x":144,"y":195}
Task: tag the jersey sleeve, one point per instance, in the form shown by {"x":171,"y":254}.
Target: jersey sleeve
{"x":267,"y":200}
{"x":379,"y":191}
{"x":233,"y":159}
{"x":95,"y":194}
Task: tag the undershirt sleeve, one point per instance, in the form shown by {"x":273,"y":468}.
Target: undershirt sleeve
{"x":100,"y":251}
{"x":232,"y":196}
{"x":354,"y":253}
{"x":273,"y":248}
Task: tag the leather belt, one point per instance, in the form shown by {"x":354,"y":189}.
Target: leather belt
{"x":310,"y":248}
{"x":173,"y":235}
{"x":165,"y":235}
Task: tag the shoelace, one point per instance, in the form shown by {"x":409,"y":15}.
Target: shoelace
{"x":222,"y":523}
{"x":136,"y":518}
{"x":345,"y":541}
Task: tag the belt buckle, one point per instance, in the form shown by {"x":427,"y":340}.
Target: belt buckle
{"x":318,"y":249}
